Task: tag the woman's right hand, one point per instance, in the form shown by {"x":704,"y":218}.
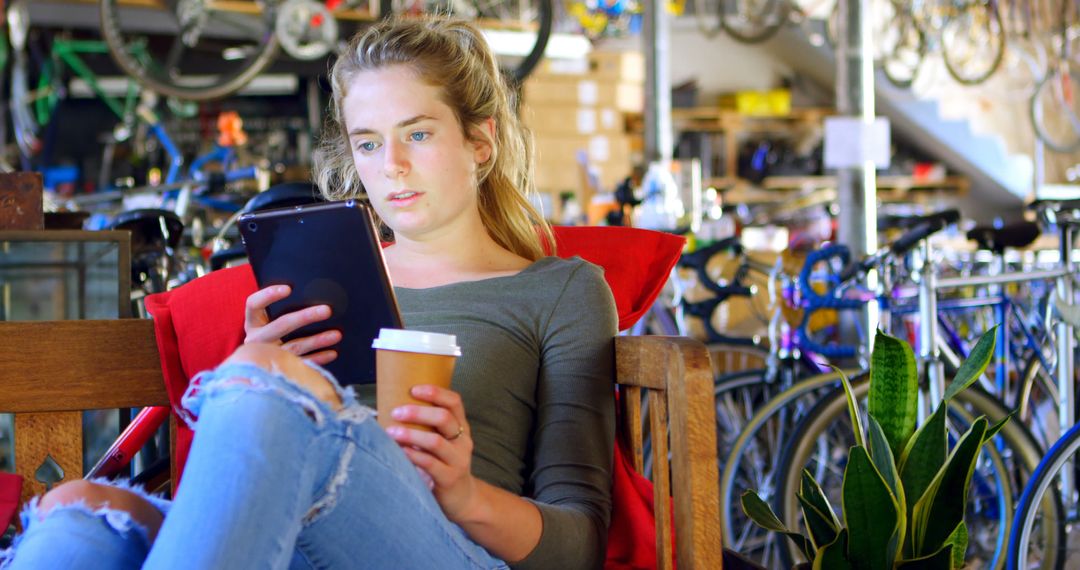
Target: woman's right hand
{"x":259,"y":328}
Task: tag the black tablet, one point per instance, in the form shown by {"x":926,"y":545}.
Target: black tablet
{"x":328,"y":254}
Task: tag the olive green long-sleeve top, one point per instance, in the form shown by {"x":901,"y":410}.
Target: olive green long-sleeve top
{"x":536,"y":377}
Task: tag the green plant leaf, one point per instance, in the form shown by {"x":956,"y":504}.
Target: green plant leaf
{"x":761,"y":513}
{"x":975,"y":364}
{"x":941,"y":508}
{"x":871,"y":515}
{"x":994,"y":429}
{"x":923,"y":457}
{"x":894,"y":389}
{"x":882,"y":458}
{"x":818,"y":515}
{"x":958,"y":541}
{"x":940,"y":560}
{"x":833,"y":556}
{"x":881,"y":454}
{"x":853,"y":409}
{"x":818,"y":523}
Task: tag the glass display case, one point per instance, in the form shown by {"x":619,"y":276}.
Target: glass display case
{"x":56,"y":275}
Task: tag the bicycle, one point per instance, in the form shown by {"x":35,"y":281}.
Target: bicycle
{"x":1004,"y":466}
{"x":241,"y":40}
{"x":1048,"y":504}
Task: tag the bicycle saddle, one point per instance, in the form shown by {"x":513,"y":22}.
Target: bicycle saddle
{"x":1020,"y":234}
{"x":284,"y":195}
{"x":1058,"y":211}
{"x":151,"y":228}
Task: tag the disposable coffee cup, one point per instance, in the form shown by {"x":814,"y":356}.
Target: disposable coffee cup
{"x":404,"y":359}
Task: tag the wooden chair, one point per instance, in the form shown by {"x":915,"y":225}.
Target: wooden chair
{"x":49,"y":371}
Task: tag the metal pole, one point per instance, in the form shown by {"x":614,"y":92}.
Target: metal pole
{"x":856,"y":187}
{"x":1065,"y":360}
{"x":658,"y":136}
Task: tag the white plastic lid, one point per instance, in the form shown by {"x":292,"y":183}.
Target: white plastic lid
{"x":417,"y":341}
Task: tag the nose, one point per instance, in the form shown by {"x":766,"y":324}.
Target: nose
{"x":395,"y":159}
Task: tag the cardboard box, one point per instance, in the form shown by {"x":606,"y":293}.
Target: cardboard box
{"x":559,"y":168}
{"x":587,"y":92}
{"x":627,"y":66}
{"x":571,"y":120}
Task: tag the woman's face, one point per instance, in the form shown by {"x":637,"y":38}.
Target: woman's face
{"x":418,"y":168}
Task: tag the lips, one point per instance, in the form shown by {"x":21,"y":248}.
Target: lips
{"x":402,"y":198}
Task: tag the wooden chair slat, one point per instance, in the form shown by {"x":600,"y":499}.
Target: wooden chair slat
{"x":79,"y":365}
{"x":658,"y":425}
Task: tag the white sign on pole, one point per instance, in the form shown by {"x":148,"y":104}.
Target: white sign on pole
{"x":852,"y":142}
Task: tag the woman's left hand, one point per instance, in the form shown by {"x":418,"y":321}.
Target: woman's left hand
{"x":444,"y":454}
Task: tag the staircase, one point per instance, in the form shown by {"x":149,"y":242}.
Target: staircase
{"x":1000,"y":180}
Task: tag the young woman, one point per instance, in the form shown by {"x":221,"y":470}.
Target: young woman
{"x":289,"y":470}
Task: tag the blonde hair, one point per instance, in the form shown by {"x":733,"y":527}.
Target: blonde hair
{"x":453,"y":56}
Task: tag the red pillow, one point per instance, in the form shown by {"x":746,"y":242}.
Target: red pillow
{"x":636,"y":262}
{"x":10,"y":496}
{"x":199,"y":324}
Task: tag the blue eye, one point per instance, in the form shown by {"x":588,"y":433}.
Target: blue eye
{"x":418,"y":136}
{"x":367,"y":146}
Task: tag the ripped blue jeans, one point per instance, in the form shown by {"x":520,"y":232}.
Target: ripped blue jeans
{"x":275,"y":479}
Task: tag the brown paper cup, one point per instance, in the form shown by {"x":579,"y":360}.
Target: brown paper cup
{"x":404,"y":359}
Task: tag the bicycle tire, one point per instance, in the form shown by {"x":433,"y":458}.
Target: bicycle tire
{"x":1035,"y":494}
{"x":707,"y":16}
{"x":909,"y":57}
{"x":970,"y":21}
{"x":1038,"y":122}
{"x":1038,"y":387}
{"x":832,"y":409}
{"x":762,"y":23}
{"x":486,"y":10}
{"x":167,"y":82}
{"x":767,"y":426}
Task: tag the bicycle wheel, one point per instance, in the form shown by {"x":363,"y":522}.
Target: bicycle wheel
{"x":901,"y":45}
{"x":753,"y":21}
{"x":497,"y":16}
{"x":973,"y":42}
{"x":1055,"y":110}
{"x":826,"y":434}
{"x":734,"y":358}
{"x":1039,"y":512}
{"x":752,"y":462}
{"x":191,"y":49}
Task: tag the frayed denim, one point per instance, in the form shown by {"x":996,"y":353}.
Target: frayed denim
{"x":275,"y":479}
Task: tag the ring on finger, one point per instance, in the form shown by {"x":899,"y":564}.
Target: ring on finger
{"x":460,"y":430}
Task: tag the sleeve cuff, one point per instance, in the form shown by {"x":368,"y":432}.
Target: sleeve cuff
{"x":569,"y":539}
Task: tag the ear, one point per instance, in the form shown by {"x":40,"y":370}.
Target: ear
{"x":484,"y":140}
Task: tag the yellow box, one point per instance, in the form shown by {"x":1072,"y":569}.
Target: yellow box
{"x":774,"y":103}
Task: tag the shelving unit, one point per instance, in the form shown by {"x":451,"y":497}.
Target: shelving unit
{"x":730,"y":127}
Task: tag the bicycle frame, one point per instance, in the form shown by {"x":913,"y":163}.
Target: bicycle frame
{"x":69,"y":52}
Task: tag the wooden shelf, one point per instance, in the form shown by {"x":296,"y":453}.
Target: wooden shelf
{"x":713,"y":119}
{"x":775,"y":189}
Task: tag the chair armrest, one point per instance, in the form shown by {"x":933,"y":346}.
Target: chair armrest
{"x":680,"y":367}
{"x":79,"y":365}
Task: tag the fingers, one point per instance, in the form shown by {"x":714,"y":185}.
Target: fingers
{"x":449,"y":456}
{"x":314,"y":343}
{"x":441,"y":399}
{"x":257,"y":302}
{"x":442,"y":420}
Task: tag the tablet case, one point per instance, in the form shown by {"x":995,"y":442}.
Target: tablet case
{"x":329,"y":254}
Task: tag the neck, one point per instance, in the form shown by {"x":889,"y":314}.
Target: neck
{"x":451,"y":257}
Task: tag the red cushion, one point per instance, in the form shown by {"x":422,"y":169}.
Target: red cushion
{"x":10,"y":493}
{"x":636,"y":262}
{"x":199,"y":324}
